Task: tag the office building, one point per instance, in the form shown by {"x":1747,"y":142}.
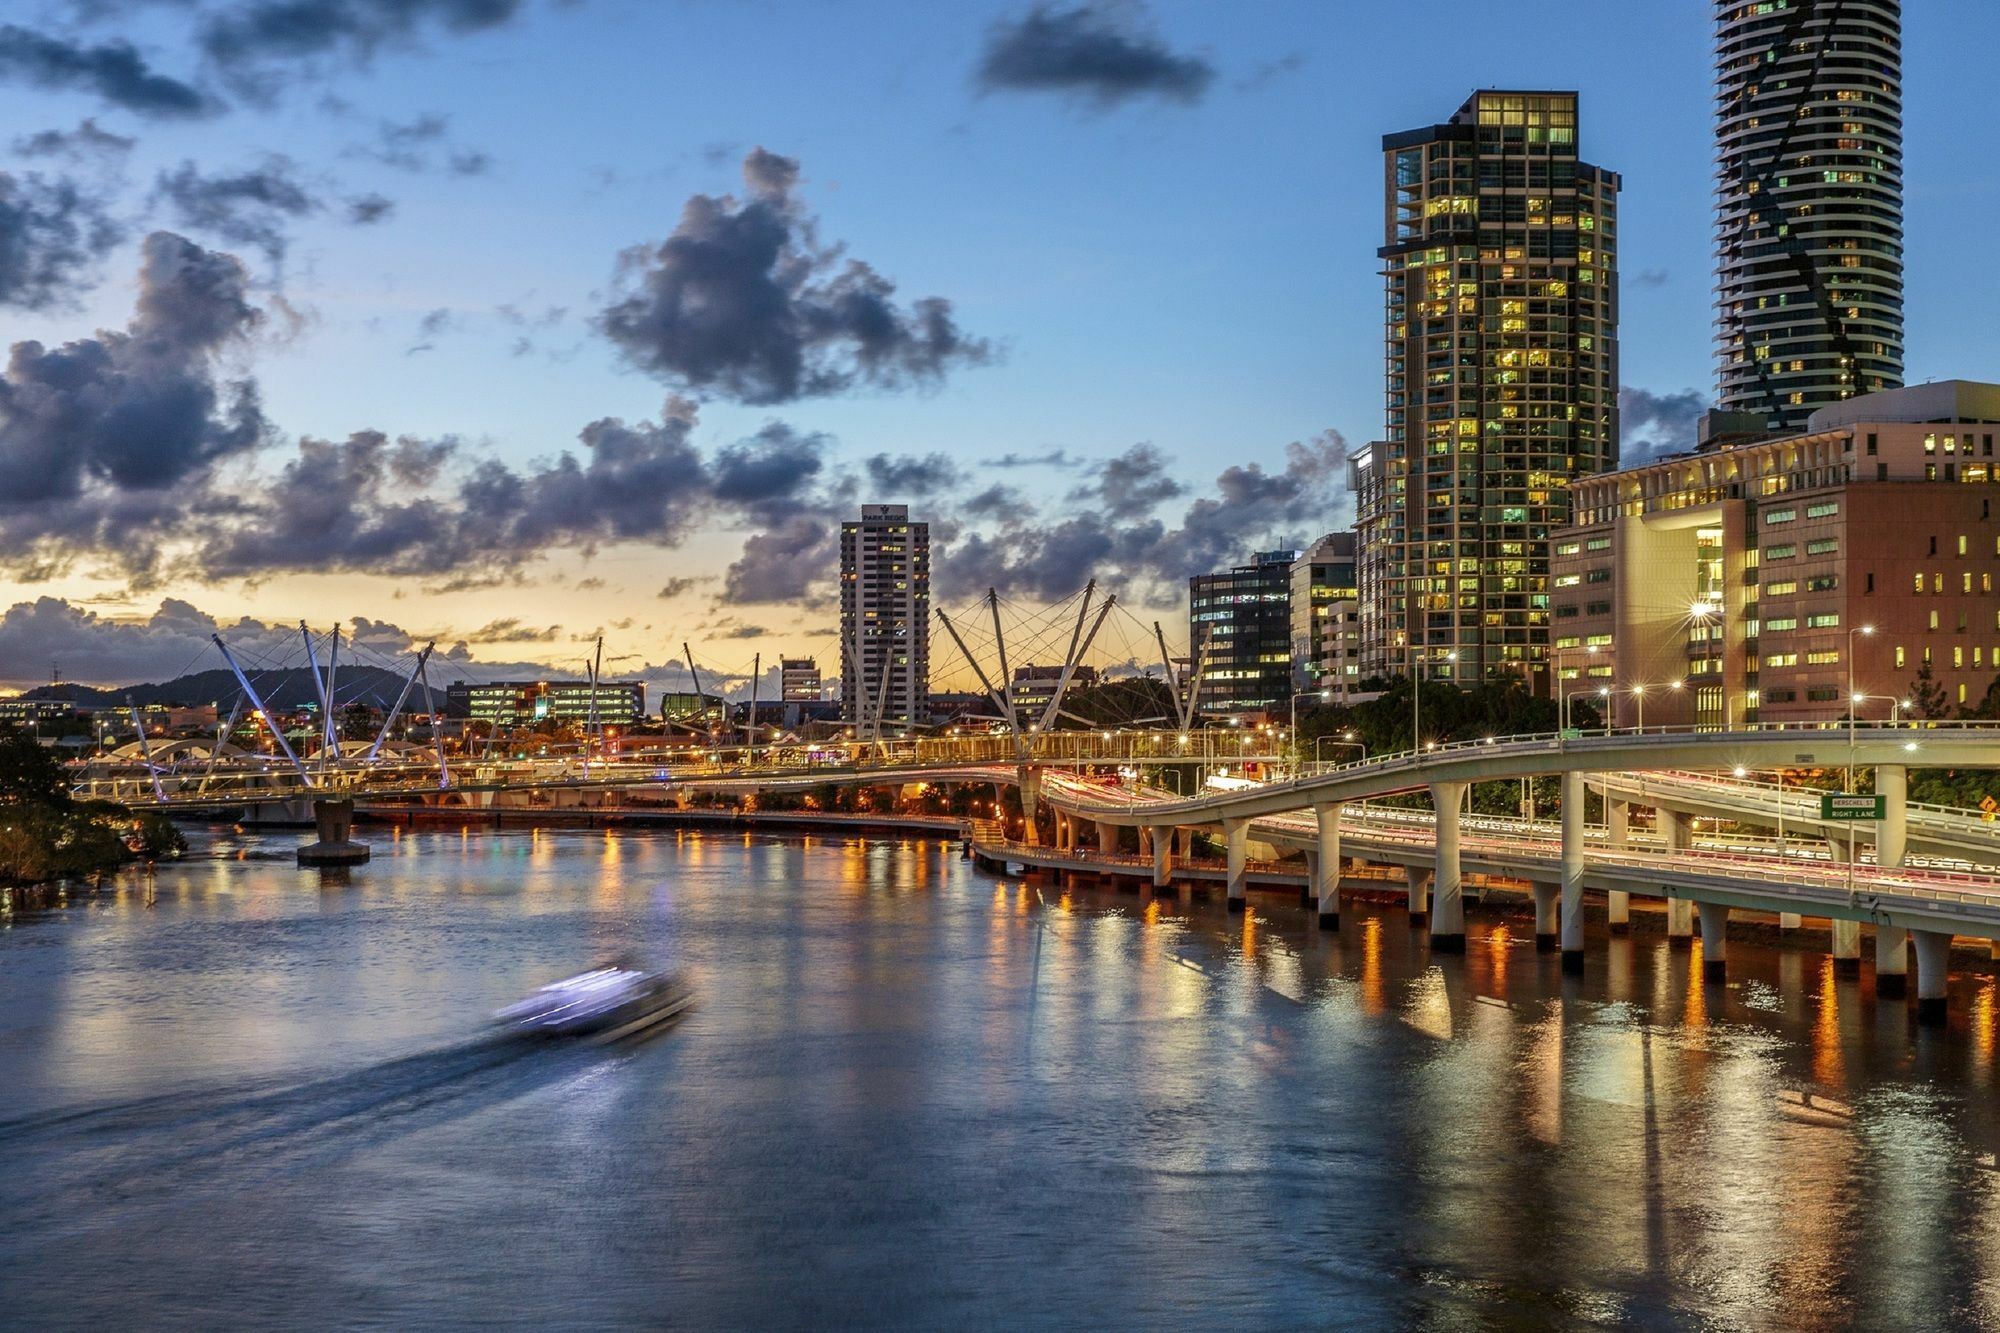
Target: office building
{"x":1240,"y":631}
{"x":1748,"y":574}
{"x":692,"y":709}
{"x":1501,"y":341}
{"x":1326,"y":629}
{"x":885,"y":611}
{"x":1034,"y":686}
{"x":520,"y":703}
{"x":1808,"y":206}
{"x":798,"y":680}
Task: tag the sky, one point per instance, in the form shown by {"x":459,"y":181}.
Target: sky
{"x":509,"y":323}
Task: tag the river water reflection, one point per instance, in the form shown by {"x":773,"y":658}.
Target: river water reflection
{"x":916,"y":1094}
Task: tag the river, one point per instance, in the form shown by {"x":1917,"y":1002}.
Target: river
{"x":917,"y":1095}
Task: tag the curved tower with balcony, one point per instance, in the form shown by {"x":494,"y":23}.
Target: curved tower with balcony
{"x":1809,"y":204}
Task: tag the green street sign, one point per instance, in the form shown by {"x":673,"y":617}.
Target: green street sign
{"x":1572,"y":733}
{"x":1837,"y":805}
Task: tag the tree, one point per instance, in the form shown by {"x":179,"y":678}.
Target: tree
{"x":29,"y":774}
{"x":1927,"y":698}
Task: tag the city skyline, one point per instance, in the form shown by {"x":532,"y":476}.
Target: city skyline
{"x":1057,"y":340}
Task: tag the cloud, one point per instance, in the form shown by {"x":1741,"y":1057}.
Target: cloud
{"x":115,"y":72}
{"x":1652,"y":277}
{"x":909,"y":475}
{"x":246,"y":39}
{"x":682,"y":585}
{"x":53,"y":232}
{"x":366,"y":209}
{"x":513,"y":631}
{"x":1133,"y":483}
{"x":99,"y":437}
{"x":1654,"y":425}
{"x":1055,"y":458}
{"x":249,"y":207}
{"x":743,"y":302}
{"x":784,"y":563}
{"x":87,"y":141}
{"x":1246,"y":508}
{"x":414,"y":146}
{"x":1095,"y":51}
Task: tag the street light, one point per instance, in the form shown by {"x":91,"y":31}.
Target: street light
{"x":1417,"y":700}
{"x":1324,"y":696}
{"x":1602,"y":692}
{"x":1852,"y":699}
{"x":1563,"y":711}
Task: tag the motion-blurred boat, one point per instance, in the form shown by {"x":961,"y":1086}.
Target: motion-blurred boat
{"x":607,"y":1002}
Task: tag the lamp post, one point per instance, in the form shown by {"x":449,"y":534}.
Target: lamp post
{"x":1324,"y":696}
{"x":1416,"y":703}
{"x":1602,"y":692}
{"x":1563,"y":711}
{"x":1852,"y":699}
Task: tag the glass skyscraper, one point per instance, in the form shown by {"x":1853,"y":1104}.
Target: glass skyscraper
{"x":1501,"y":349}
{"x":1809,"y":204}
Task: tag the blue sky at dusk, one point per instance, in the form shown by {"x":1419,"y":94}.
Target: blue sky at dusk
{"x":1141,"y":271}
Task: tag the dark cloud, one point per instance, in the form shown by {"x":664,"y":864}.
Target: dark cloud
{"x":1653,"y":425}
{"x":87,"y":141}
{"x":1133,"y":483}
{"x":250,"y":207}
{"x":1096,"y":51}
{"x":995,"y":502}
{"x":101,"y":438}
{"x":513,"y":631}
{"x":367,"y":209}
{"x":246,"y":39}
{"x":785,"y":563}
{"x":1246,"y":508}
{"x":1271,"y":71}
{"x":742,"y":301}
{"x":771,"y":471}
{"x":469,"y":162}
{"x":681,"y":586}
{"x":113,"y":71}
{"x":53,"y":232}
{"x":1652,"y":277}
{"x":909,"y":475}
{"x":1055,"y":458}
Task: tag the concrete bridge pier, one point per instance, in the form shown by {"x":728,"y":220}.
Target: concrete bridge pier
{"x":334,"y":819}
{"x":1326,"y":874}
{"x":1618,"y":911}
{"x":1548,"y":926}
{"x":1029,"y":780}
{"x":1933,"y":971}
{"x":1163,"y":859}
{"x":1448,"y":899}
{"x":1892,"y":962}
{"x":1236,"y":834}
{"x":1680,"y":923}
{"x":1419,"y":881}
{"x":1572,"y":872}
{"x":1846,"y":948}
{"x":1306,"y":890}
{"x":1714,"y":941}
{"x":1107,"y":839}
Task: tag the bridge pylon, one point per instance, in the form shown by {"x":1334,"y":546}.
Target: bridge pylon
{"x":333,"y":817}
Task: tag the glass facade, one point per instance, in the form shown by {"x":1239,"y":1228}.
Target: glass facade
{"x":1240,"y":629}
{"x":1500,"y":332}
{"x":1808,"y":205}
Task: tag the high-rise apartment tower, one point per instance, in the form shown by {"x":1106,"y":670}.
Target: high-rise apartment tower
{"x":885,"y":610}
{"x":1501,"y":341}
{"x":1808,"y":204}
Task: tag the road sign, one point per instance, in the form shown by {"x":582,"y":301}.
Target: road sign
{"x":1836,"y":805}
{"x":1572,"y":733}
{"x":1988,"y":804}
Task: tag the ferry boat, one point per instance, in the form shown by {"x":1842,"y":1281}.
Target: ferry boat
{"x":610,"y":1001}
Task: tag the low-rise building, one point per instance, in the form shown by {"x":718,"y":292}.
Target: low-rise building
{"x":1767,"y":580}
{"x":799,"y":680}
{"x":1034,"y":686}
{"x":513,"y":703}
{"x":1240,"y":630}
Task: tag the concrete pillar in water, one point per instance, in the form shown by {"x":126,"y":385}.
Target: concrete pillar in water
{"x":1548,"y":924}
{"x":1790,"y":921}
{"x":1618,"y":910}
{"x":1572,"y":872}
{"x":1163,"y":859}
{"x":334,"y":821}
{"x":1419,"y":881}
{"x":1237,"y":834}
{"x":1326,"y":880}
{"x":1447,"y":898}
{"x":1714,"y":940}
{"x":1680,"y":923}
{"x":1846,"y":934}
{"x":1312,"y":878}
{"x":1892,"y":962}
{"x":1933,"y":971}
